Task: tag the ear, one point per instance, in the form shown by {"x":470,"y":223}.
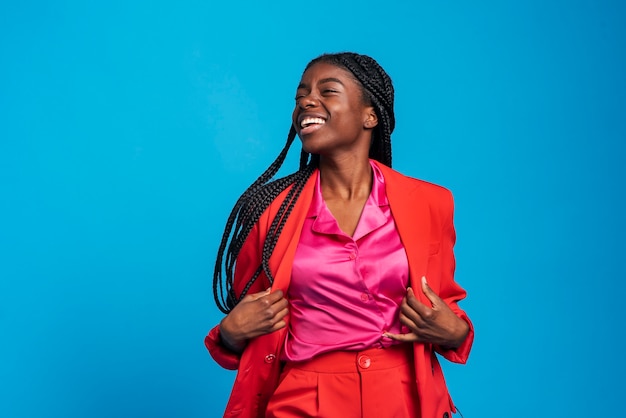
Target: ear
{"x":371,"y":120}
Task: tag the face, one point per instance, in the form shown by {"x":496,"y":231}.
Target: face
{"x":330,"y":115}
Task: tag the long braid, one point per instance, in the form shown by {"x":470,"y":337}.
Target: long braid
{"x":377,"y":90}
{"x":281,"y":217}
{"x":243,"y":216}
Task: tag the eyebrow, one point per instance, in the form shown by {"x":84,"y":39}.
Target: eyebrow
{"x":322,"y":81}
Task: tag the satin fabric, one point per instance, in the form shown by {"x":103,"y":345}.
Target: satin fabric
{"x":346,"y":290}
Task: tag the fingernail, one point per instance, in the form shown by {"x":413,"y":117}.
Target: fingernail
{"x":424,"y":280}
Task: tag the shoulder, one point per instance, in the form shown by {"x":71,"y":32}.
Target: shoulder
{"x":410,"y":186}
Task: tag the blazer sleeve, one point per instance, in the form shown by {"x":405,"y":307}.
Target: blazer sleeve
{"x":449,"y":290}
{"x":222,"y":355}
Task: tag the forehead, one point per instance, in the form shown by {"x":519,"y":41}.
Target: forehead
{"x":321,"y":71}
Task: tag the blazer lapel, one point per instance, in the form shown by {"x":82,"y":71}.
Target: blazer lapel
{"x":412,"y":217}
{"x":282,"y":258}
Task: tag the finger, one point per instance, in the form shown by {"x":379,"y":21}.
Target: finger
{"x":258,"y":295}
{"x":279,"y":305}
{"x":428,"y":292}
{"x":277,"y":321}
{"x":281,"y":314}
{"x":279,"y":325}
{"x":267,"y":320}
{"x":275,"y":296}
{"x":267,"y":299}
{"x":405,"y":338}
{"x":415,"y":305}
{"x":415,"y":324}
{"x":410,"y":319}
{"x":267,"y":309}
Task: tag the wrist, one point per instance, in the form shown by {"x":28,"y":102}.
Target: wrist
{"x":461,"y":334}
{"x":228,"y":342}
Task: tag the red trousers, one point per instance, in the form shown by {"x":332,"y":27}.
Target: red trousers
{"x":375,"y":383}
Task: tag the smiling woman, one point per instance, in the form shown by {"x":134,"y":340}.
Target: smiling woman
{"x":313,"y":268}
{"x":331,"y":116}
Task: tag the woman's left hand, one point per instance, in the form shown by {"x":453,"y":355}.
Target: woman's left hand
{"x":437,"y":324}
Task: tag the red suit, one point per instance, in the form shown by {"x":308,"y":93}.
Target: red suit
{"x":423,"y":216}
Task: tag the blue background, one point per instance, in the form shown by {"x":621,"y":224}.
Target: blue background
{"x":128,"y":129}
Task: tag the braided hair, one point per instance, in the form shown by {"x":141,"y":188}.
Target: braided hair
{"x":377,"y":91}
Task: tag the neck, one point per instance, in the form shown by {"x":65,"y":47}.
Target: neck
{"x":346,"y":179}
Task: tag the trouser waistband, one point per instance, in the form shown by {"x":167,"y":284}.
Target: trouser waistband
{"x":350,"y":361}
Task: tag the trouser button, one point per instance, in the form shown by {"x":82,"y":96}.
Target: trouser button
{"x":365,"y":362}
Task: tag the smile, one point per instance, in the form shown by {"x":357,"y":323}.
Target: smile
{"x":308,"y":121}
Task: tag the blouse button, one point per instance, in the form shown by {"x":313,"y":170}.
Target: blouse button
{"x":270,"y":358}
{"x":364,"y":297}
{"x":352,"y":256}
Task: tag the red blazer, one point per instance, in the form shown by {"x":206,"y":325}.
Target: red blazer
{"x":423,"y":215}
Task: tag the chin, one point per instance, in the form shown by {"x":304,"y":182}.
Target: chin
{"x":309,"y":146}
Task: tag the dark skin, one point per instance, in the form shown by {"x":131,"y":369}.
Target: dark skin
{"x":435,"y":324}
{"x":333,"y":119}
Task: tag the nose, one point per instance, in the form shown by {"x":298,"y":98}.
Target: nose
{"x":307,"y":101}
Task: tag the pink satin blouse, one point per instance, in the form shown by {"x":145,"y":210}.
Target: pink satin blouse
{"x":346,"y":291}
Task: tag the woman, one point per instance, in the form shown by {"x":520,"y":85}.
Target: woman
{"x":338,"y":280}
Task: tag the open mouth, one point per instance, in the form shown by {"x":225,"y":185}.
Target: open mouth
{"x":309,"y":121}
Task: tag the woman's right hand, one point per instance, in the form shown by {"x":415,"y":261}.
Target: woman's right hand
{"x":256,"y":314}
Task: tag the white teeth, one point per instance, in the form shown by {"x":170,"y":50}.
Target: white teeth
{"x":311,"y":121}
